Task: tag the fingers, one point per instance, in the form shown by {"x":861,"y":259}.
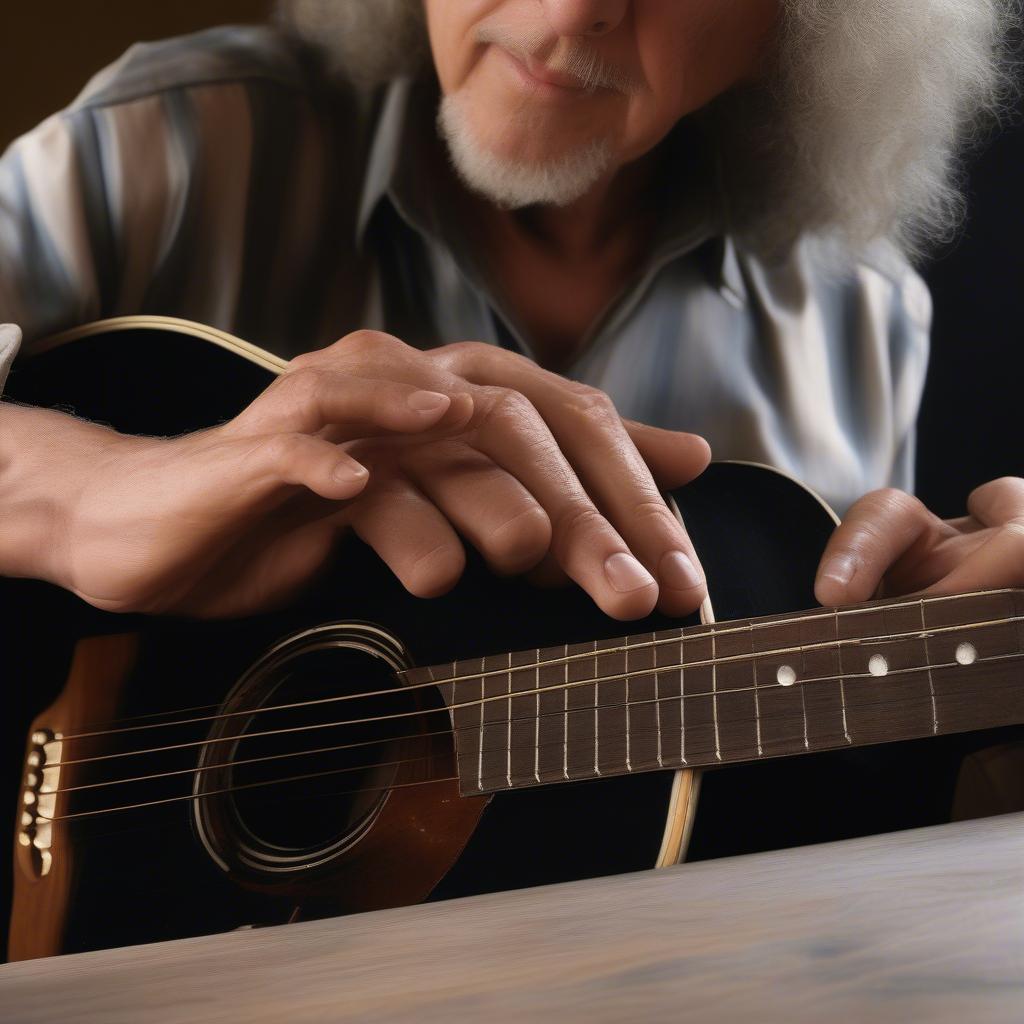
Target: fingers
{"x":490,"y":508}
{"x":994,"y":556}
{"x":302,"y":460}
{"x":616,"y":485}
{"x":674,"y":457}
{"x":313,"y":397}
{"x":996,"y":562}
{"x":998,"y":501}
{"x":592,"y":552}
{"x":411,"y":536}
{"x":617,"y":478}
{"x":576,"y":462}
{"x":886,"y":531}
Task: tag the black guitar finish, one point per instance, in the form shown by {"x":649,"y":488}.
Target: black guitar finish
{"x":758,"y":534}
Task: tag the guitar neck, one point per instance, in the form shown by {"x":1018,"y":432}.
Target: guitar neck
{"x":736,"y":691}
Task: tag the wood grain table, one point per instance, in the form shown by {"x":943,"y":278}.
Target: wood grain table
{"x":922,"y":925}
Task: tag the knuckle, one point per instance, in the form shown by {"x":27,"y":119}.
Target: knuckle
{"x":1014,"y":530}
{"x":434,"y":571}
{"x":577,"y":519}
{"x":507,"y":407}
{"x":521,"y":542}
{"x":654,"y":512}
{"x":305,"y":385}
{"x":890,"y":501}
{"x":463,"y":351}
{"x":592,"y":403}
{"x":303,"y":359}
{"x":367,"y":347}
{"x":279,"y":449}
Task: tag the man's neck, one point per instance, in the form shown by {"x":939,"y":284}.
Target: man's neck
{"x":616,"y":212}
{"x":555,"y":269}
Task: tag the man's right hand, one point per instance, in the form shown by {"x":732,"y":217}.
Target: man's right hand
{"x":468,"y":438}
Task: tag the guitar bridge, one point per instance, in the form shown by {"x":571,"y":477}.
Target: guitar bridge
{"x":38,"y":802}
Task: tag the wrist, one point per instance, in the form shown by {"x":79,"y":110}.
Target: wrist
{"x":46,"y":460}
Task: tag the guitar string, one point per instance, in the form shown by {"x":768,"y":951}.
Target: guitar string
{"x":252,"y":760}
{"x":248,"y":785}
{"x":526,"y":780}
{"x":742,"y":659}
{"x":529,"y":719}
{"x":719,"y":631}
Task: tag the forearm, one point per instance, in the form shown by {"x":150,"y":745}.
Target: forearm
{"x":44,"y":458}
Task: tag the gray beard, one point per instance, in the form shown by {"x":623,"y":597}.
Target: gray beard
{"x":510,"y":184}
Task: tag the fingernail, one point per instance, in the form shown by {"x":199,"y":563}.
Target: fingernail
{"x":346,"y":472}
{"x":625,"y":573}
{"x":839,"y":568}
{"x":677,"y":571}
{"x":427,"y":401}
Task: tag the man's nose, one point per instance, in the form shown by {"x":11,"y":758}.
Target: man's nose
{"x":584,"y":17}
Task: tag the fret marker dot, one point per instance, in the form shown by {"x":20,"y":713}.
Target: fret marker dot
{"x":877,"y":665}
{"x":785,"y":675}
{"x":966,"y":654}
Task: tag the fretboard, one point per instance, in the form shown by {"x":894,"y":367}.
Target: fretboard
{"x":736,"y":691}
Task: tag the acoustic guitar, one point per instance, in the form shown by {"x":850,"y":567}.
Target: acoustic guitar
{"x":363,"y":748}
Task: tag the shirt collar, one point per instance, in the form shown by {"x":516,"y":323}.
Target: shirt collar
{"x":405,"y":141}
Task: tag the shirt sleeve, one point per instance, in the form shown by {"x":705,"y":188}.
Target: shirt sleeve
{"x":54,"y":235}
{"x":182,"y":181}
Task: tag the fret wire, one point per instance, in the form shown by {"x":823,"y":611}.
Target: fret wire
{"x":536,"y":731}
{"x":803,"y":705}
{"x":682,"y":699}
{"x":508,"y":735}
{"x":565,"y":719}
{"x":480,"y":745}
{"x":657,"y":697}
{"x":714,"y":695}
{"x":597,"y":686}
{"x":931,"y":682}
{"x":626,"y":673}
{"x":757,"y":700}
{"x":842,"y":686}
{"x":772,"y":624}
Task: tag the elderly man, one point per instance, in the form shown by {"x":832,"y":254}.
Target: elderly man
{"x":701,"y":210}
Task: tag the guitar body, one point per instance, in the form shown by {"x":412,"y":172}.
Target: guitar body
{"x":182,"y":857}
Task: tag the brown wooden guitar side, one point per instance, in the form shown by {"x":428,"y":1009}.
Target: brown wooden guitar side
{"x":99,"y":670}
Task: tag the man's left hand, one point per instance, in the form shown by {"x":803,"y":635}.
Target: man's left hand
{"x":890,"y":544}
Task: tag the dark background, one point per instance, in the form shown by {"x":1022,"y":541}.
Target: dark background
{"x":973,"y":413}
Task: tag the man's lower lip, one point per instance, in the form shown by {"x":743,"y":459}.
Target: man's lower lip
{"x":547,"y":88}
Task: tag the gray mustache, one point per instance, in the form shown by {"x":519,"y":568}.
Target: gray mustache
{"x":568,"y":57}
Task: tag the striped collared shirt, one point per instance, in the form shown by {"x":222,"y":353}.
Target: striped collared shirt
{"x":222,"y":178}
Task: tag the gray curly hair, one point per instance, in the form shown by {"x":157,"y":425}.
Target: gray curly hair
{"x":857,"y":127}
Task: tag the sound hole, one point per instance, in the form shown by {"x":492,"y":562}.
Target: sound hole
{"x":307,"y":748}
{"x":307,"y":774}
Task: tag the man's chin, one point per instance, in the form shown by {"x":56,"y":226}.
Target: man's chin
{"x":512,"y":181}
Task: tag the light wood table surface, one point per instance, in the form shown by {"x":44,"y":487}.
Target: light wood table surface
{"x":923,"y":925}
